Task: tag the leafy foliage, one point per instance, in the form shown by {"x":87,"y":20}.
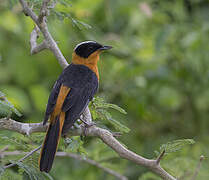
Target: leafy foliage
{"x":75,"y":145}
{"x":175,"y":145}
{"x":7,"y":108}
{"x":99,"y":111}
{"x":99,"y":103}
{"x":30,"y":172}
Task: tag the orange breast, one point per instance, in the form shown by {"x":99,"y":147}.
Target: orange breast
{"x":90,"y":62}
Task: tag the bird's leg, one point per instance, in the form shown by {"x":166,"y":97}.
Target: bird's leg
{"x":87,"y":125}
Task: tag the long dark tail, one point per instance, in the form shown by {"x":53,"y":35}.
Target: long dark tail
{"x":51,"y":142}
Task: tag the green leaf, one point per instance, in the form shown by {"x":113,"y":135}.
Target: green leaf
{"x":19,"y":142}
{"x":79,"y":24}
{"x":75,"y":144}
{"x":105,"y":115}
{"x":100,"y":103}
{"x":61,"y":15}
{"x":65,"y":3}
{"x":176,"y":145}
{"x":119,"y":126}
{"x":99,"y":110}
{"x":6,"y":106}
{"x":48,"y":176}
{"x":32,"y":172}
{"x":27,"y":169}
{"x":116,"y":107}
{"x":87,"y":26}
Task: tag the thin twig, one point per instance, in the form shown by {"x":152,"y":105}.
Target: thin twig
{"x":43,"y":11}
{"x":92,"y":162}
{"x":53,"y":4}
{"x":23,"y":158}
{"x":47,"y":36}
{"x":198,"y":167}
{"x":77,"y":157}
{"x":2,"y":151}
{"x":33,"y":42}
{"x":160,"y":157}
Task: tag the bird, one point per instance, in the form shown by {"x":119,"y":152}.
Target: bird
{"x":70,"y":95}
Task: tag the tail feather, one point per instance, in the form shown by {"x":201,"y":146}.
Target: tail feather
{"x":51,"y":142}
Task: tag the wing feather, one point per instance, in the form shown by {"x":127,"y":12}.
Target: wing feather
{"x":83,"y":84}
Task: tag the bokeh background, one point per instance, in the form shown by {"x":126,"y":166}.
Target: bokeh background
{"x":157,"y":71}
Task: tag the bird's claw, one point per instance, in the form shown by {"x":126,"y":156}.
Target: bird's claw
{"x":87,"y":125}
{"x":116,"y":134}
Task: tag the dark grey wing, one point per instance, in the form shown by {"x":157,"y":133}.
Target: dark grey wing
{"x":76,"y":102}
{"x":83,"y":84}
{"x":55,"y":92}
{"x":52,"y":100}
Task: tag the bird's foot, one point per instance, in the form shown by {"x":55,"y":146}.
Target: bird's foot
{"x":116,"y":134}
{"x":87,"y":125}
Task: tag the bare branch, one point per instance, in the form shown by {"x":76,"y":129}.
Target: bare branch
{"x":123,"y":152}
{"x":160,"y":157}
{"x":74,"y":156}
{"x":43,"y":11}
{"x":23,"y":158}
{"x":33,"y":44}
{"x":47,"y":36}
{"x":22,"y":128}
{"x":28,"y":11}
{"x":29,"y":128}
{"x":92,"y":162}
{"x":2,"y":151}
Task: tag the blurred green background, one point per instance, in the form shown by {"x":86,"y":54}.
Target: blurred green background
{"x":157,"y":71}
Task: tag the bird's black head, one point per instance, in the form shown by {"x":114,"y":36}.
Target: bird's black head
{"x":86,"y":48}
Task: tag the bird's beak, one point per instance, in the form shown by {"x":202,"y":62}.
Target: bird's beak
{"x":105,"y":48}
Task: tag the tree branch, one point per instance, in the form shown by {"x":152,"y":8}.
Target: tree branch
{"x":92,"y":162}
{"x":198,"y":167}
{"x":43,"y":11}
{"x":103,"y":134}
{"x":65,"y":154}
{"x":47,"y":36}
{"x":29,"y":128}
{"x":23,"y":158}
{"x":33,"y":44}
{"x":160,"y":157}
